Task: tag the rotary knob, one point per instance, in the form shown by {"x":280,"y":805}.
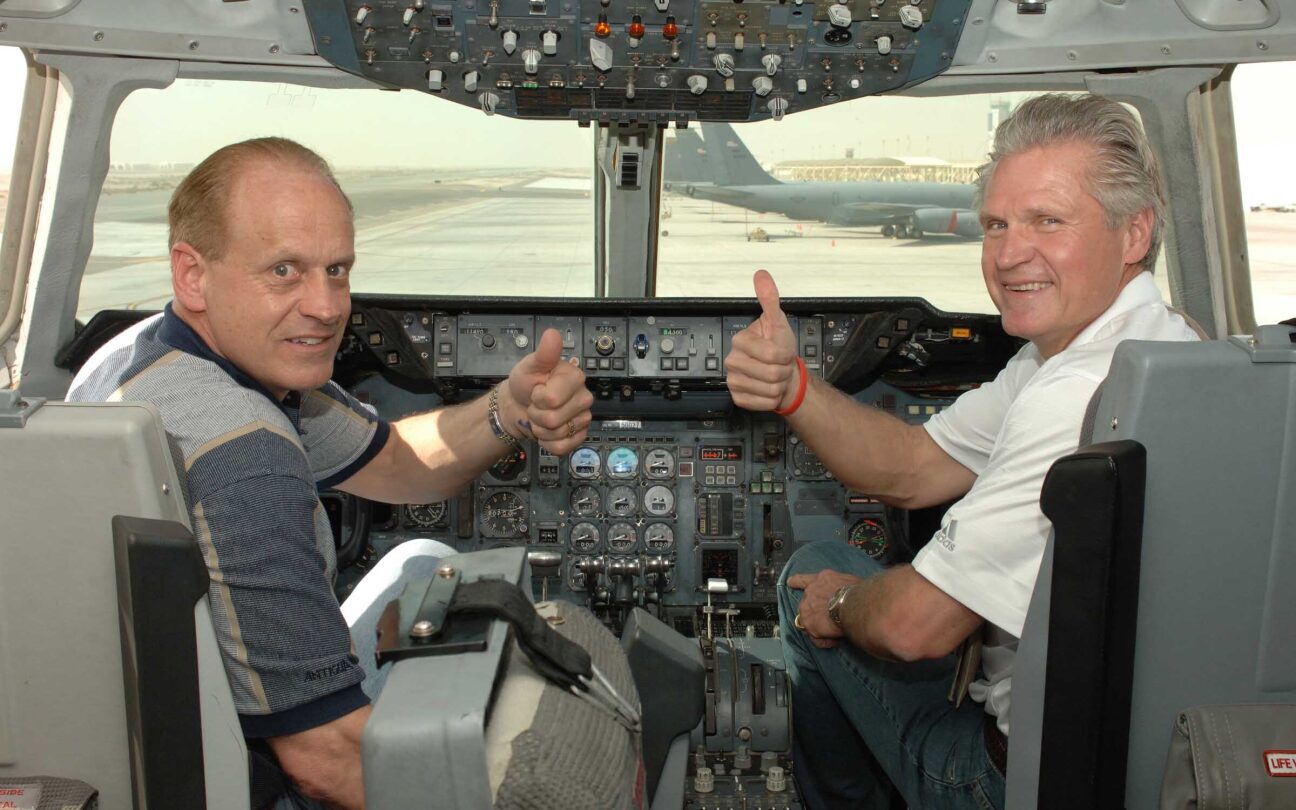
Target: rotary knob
{"x":531,"y":61}
{"x":605,"y":344}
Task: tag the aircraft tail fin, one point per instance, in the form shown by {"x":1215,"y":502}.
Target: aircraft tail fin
{"x":732,"y":163}
{"x":685,"y":159}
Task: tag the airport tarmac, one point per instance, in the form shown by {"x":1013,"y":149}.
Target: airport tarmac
{"x":484,"y":238}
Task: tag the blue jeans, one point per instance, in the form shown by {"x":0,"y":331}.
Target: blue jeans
{"x":863,"y":725}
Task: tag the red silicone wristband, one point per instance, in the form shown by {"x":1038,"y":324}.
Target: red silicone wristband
{"x":802,"y":385}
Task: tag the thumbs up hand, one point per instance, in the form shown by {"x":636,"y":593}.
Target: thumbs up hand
{"x":549,"y":399}
{"x":761,"y":366}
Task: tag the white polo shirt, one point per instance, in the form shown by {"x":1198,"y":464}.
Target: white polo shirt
{"x":1009,"y":432}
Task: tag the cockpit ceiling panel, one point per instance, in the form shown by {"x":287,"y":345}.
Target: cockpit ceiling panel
{"x":641,"y":60}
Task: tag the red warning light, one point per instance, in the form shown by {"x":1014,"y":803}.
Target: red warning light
{"x":670,"y":30}
{"x":636,"y":29}
{"x":601,"y":28}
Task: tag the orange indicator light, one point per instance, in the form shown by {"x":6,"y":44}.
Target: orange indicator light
{"x":670,"y":30}
{"x":601,"y":28}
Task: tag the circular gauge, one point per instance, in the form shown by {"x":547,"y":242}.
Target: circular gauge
{"x":659,"y":463}
{"x":584,"y":538}
{"x":504,"y":514}
{"x":806,"y":463}
{"x":425,"y":514}
{"x":622,"y":462}
{"x":622,"y":537}
{"x":869,"y":536}
{"x":622,"y":501}
{"x":585,"y":501}
{"x":509,"y":467}
{"x":585,"y":463}
{"x":659,"y":537}
{"x":659,"y":500}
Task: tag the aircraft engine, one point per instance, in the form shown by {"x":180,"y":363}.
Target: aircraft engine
{"x":947,"y":220}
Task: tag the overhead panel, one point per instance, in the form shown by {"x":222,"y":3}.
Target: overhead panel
{"x":641,"y":60}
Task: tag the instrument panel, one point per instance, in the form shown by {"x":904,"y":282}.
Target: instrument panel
{"x":677,"y":501}
{"x":639,"y":61}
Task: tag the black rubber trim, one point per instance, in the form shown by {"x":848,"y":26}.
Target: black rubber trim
{"x":160,"y":578}
{"x":1095,"y":499}
{"x":103,"y":327}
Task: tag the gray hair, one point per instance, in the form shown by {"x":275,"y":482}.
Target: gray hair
{"x":1124,"y":177}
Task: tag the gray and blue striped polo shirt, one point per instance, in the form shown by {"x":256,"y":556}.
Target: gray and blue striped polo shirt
{"x":251,"y":468}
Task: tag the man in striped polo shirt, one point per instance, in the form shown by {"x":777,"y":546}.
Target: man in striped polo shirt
{"x":262,"y":244}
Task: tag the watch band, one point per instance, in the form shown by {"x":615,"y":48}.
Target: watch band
{"x":835,"y":603}
{"x":496,"y":424}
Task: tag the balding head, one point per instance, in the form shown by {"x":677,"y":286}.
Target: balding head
{"x":198,"y":210}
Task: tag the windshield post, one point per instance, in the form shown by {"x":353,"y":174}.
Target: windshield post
{"x":628,"y":191}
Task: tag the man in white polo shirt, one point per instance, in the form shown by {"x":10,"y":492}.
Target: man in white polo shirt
{"x":1073,"y":210}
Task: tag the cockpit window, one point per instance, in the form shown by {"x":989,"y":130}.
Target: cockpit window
{"x":872,"y":198}
{"x":861,"y":199}
{"x":1268,"y":185}
{"x":448,"y":201}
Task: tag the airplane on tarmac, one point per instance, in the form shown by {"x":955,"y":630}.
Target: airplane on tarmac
{"x":903,"y":210}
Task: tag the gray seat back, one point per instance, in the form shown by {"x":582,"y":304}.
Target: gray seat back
{"x":1216,"y":611}
{"x":1218,"y":562}
{"x":68,"y":470}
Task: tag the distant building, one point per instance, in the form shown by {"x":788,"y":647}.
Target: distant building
{"x":885,"y":170}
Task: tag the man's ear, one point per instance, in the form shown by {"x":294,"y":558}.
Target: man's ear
{"x":188,"y":276}
{"x":1138,"y":236}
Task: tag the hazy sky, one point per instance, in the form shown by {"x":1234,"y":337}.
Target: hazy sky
{"x":360,"y":128}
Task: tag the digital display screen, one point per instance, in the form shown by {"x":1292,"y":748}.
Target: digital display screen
{"x":730,"y":453}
